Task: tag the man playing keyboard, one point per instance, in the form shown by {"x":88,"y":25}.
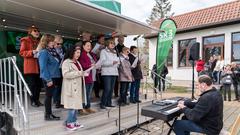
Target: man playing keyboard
{"x":205,"y":115}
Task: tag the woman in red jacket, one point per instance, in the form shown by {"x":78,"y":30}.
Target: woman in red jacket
{"x":200,"y":65}
{"x":87,"y":60}
{"x":28,"y":51}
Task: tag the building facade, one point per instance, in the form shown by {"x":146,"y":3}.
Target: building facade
{"x":217,"y":29}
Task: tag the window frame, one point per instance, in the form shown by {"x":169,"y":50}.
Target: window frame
{"x":188,"y":62}
{"x":213,"y":44}
{"x":232,"y":42}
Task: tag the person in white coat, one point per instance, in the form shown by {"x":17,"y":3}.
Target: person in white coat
{"x":73,"y":87}
{"x":109,"y":71}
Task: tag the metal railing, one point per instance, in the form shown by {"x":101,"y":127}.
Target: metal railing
{"x":14,"y":94}
{"x":148,"y":84}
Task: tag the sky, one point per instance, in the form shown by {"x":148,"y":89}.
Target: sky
{"x":141,"y":9}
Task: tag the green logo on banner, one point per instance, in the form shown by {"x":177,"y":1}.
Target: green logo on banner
{"x":164,"y":42}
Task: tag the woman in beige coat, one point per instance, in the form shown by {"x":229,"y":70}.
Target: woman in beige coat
{"x":73,"y":92}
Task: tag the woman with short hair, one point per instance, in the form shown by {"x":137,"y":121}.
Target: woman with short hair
{"x":109,"y":71}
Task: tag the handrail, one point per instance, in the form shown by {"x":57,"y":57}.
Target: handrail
{"x":13,"y":85}
{"x":159,"y":76}
{"x":20,"y":75}
{"x":21,"y":108}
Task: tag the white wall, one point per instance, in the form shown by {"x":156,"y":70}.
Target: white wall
{"x":185,"y":73}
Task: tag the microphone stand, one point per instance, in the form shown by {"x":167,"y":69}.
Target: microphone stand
{"x":138,"y":125}
{"x":119,"y":105}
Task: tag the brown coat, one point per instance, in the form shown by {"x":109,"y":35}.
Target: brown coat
{"x":26,"y":51}
{"x":73,"y":86}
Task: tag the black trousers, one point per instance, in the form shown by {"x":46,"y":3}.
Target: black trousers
{"x":123,"y":92}
{"x":34,"y":83}
{"x":98,"y":85}
{"x":49,"y":94}
{"x":160,"y":83}
{"x":227,"y":89}
{"x":236,"y":91}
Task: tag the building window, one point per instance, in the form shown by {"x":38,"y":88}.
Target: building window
{"x":213,"y":45}
{"x":236,"y":47}
{"x":170,"y":58}
{"x":184,"y":51}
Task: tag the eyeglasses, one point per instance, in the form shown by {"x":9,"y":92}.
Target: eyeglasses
{"x":36,"y":30}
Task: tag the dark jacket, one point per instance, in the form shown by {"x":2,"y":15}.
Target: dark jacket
{"x":207,"y":112}
{"x":86,"y":63}
{"x":235,"y":75}
{"x":213,"y":64}
{"x":119,"y":48}
{"x":164,"y":71}
{"x":137,"y":72}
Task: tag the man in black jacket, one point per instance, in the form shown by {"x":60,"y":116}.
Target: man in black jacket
{"x":236,"y":80}
{"x":204,"y":116}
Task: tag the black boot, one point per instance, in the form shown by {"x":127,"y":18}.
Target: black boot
{"x":50,"y":117}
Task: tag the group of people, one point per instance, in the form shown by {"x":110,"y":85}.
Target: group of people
{"x":70,"y":76}
{"x":224,"y":74}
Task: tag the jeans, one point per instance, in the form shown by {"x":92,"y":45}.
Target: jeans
{"x":134,"y":90}
{"x":72,"y":116}
{"x":49,"y":94}
{"x":184,"y":127}
{"x":89,"y":87}
{"x":227,"y":89}
{"x":34,"y":83}
{"x":109,"y":83}
{"x":123,"y":92}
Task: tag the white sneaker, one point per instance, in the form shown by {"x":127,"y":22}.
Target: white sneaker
{"x":78,"y":125}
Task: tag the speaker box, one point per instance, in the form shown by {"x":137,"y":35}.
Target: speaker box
{"x":194,"y":51}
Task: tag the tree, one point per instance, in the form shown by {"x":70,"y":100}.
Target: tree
{"x":162,"y":9}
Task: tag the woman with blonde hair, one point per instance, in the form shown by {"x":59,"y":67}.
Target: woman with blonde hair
{"x":73,"y":87}
{"x":49,"y":63}
{"x":109,"y":71}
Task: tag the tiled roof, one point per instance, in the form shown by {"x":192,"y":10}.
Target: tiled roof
{"x":220,"y":14}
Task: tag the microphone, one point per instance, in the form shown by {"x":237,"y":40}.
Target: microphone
{"x":135,"y":38}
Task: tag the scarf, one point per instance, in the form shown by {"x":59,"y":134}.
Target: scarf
{"x":54,"y":53}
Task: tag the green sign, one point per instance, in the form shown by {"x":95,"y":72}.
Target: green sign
{"x":164,"y":42}
{"x":13,"y":41}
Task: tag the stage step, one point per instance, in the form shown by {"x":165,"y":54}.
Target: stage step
{"x":103,"y":122}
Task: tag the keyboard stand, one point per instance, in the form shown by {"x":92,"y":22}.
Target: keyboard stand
{"x":171,"y":126}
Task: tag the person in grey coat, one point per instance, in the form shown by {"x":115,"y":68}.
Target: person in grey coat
{"x":227,"y":81}
{"x":125,"y":75}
